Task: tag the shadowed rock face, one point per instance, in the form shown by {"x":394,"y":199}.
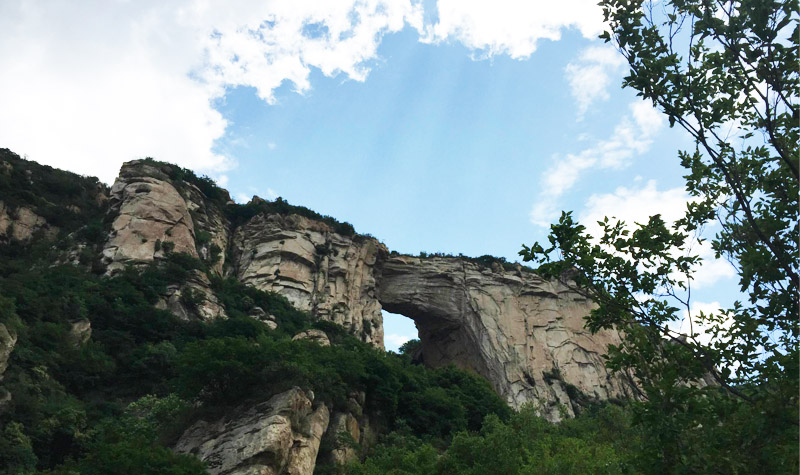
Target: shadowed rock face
{"x":522,"y":333}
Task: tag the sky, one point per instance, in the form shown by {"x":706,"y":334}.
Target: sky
{"x":451,"y":126}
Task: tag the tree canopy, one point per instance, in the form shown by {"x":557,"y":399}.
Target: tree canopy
{"x":726,"y":72}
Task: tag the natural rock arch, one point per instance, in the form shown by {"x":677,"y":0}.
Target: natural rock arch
{"x":524,"y":334}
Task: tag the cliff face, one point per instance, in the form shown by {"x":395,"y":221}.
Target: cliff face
{"x":331,"y":275}
{"x":524,"y":334}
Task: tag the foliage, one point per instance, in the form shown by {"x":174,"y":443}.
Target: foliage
{"x":737,"y":73}
{"x":239,"y":214}
{"x":68,"y":407}
{"x":598,"y":441}
{"x":65,"y":200}
{"x":486,"y":261}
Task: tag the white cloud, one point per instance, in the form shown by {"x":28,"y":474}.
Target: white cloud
{"x":86,"y":86}
{"x":636,"y":205}
{"x":512,"y":27}
{"x":693,"y":325}
{"x":241,"y":198}
{"x":272,"y":194}
{"x":632,"y":136}
{"x":591,"y":75}
{"x":394,"y":341}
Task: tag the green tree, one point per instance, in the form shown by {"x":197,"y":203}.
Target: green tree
{"x":726,"y":72}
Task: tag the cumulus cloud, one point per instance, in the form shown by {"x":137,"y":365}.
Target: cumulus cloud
{"x":632,"y":136}
{"x":590,"y":76}
{"x":394,"y":341}
{"x":511,"y":27}
{"x":637,"y":204}
{"x":88,"y":85}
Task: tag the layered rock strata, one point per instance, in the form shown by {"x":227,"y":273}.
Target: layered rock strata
{"x":330,"y":275}
{"x":279,"y":436}
{"x":524,"y":334}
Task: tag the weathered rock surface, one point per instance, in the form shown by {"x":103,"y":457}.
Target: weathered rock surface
{"x":22,"y":223}
{"x":279,"y":436}
{"x":524,"y":334}
{"x":320,"y":271}
{"x":152,"y":216}
{"x":317,"y":336}
{"x":212,"y":230}
{"x":192,"y":300}
{"x":149,"y":212}
{"x":80,"y":332}
{"x":8,"y":340}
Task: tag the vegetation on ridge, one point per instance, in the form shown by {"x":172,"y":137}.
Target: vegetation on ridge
{"x":241,"y":213}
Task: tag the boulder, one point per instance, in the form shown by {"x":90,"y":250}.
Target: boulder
{"x":317,"y":336}
{"x":281,"y":435}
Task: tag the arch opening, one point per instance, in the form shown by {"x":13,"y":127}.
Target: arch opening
{"x":397,"y":330}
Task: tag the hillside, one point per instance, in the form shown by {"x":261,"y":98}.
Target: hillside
{"x":158,"y":327}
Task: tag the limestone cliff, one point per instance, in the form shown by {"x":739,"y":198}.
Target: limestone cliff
{"x":153,"y":214}
{"x":148,"y":212}
{"x":331,"y":275}
{"x":522,"y":333}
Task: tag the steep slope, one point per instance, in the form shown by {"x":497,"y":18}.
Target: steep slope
{"x":525,"y":335}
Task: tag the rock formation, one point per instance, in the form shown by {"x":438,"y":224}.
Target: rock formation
{"x":522,"y":333}
{"x":152,"y":215}
{"x":21,"y":223}
{"x":149,"y":211}
{"x":279,"y":436}
{"x":8,"y":339}
{"x":328,"y":274}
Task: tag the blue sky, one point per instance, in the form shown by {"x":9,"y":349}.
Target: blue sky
{"x":459,"y":127}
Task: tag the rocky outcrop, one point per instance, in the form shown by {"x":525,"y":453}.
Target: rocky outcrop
{"x":149,"y":214}
{"x":21,"y":223}
{"x":349,"y":431}
{"x":331,"y":275}
{"x":524,"y":334}
{"x":193,"y":299}
{"x":80,"y":332}
{"x":154,"y":215}
{"x":279,"y":436}
{"x":8,"y":339}
{"x":212,"y":230}
{"x":317,"y":336}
